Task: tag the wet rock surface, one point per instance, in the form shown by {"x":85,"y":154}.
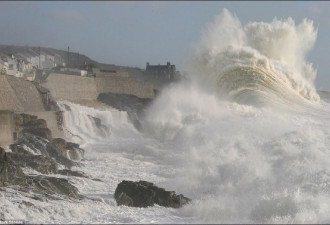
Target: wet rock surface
{"x":35,"y":149}
{"x":26,"y":118}
{"x":40,"y":132}
{"x":12,"y":174}
{"x":67,"y":172}
{"x":133,"y":105}
{"x":38,"y":123}
{"x":144,"y":194}
{"x":32,"y":144}
{"x":68,"y":149}
{"x":40,"y":163}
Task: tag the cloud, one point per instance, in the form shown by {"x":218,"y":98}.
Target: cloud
{"x":67,"y":16}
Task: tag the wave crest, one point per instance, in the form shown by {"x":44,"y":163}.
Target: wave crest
{"x":257,"y":62}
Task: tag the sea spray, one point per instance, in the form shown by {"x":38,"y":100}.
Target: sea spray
{"x":229,"y":139}
{"x":244,"y":153}
{"x":87,"y":125}
{"x":259,"y":63}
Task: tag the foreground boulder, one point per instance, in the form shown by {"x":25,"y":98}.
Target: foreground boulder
{"x":35,"y":148}
{"x":144,"y":194}
{"x":12,"y":175}
{"x":28,"y":143}
{"x":38,"y":127}
{"x":68,"y":149}
{"x":40,"y":163}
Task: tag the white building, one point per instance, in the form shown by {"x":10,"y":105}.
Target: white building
{"x":34,"y":60}
{"x":46,"y":61}
{"x":11,"y":66}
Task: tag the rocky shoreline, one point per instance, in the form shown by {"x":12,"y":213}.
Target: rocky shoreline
{"x":36,"y":149}
{"x":48,"y":157}
{"x":133,"y":105}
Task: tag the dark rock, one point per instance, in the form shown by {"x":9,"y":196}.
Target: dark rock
{"x":59,"y":119}
{"x":40,"y":146}
{"x":34,"y":143}
{"x":54,"y":185}
{"x":96,"y":179}
{"x":39,"y":163}
{"x":133,"y":105}
{"x":97,"y":121}
{"x":26,"y":118}
{"x":38,"y":123}
{"x":71,"y":145}
{"x":18,"y":118}
{"x":41,"y":132}
{"x":28,"y":204}
{"x":56,"y":153}
{"x":76,"y":153}
{"x":124,"y":199}
{"x":68,"y":149}
{"x":60,"y":143}
{"x":144,"y":194}
{"x":67,"y":172}
{"x":10,"y":173}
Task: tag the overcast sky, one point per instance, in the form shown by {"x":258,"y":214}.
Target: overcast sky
{"x":132,"y":33}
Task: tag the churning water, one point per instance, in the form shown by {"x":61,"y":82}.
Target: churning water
{"x":247,"y":137}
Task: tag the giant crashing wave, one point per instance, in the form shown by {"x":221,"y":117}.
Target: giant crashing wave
{"x":257,"y":64}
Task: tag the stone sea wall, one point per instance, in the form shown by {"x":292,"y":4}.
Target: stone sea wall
{"x":17,"y":94}
{"x":27,"y":94}
{"x":7,"y":128}
{"x":124,"y":85}
{"x":8,"y":98}
{"x":70,"y":87}
{"x":76,"y":88}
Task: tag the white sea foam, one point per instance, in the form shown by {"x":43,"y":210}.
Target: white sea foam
{"x":85,"y":124}
{"x":264,"y":159}
{"x":230,"y":138}
{"x":252,"y":63}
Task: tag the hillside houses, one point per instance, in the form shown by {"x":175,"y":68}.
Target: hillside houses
{"x":10,"y":65}
{"x":43,"y":61}
{"x":25,"y":66}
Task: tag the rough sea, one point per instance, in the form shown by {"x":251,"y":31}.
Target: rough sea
{"x":246,"y":137}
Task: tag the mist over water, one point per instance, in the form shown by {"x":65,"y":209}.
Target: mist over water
{"x":252,"y":63}
{"x":246,"y":137}
{"x":249,"y":132}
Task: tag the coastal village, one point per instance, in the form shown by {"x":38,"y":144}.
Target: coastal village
{"x":29,"y":65}
{"x":34,"y":82}
{"x":34,"y":78}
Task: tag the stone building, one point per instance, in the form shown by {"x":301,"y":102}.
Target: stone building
{"x":164,"y":72}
